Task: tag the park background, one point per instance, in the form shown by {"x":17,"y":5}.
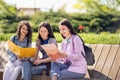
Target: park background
{"x":96,"y":21}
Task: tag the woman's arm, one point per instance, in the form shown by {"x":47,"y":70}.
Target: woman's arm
{"x":39,"y":61}
{"x":52,"y":41}
{"x":77,"y":46}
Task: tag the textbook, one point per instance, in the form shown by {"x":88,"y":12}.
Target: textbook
{"x":22,"y":52}
{"x":50,"y":49}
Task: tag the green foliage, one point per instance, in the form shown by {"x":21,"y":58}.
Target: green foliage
{"x":96,"y":19}
{"x":89,"y":38}
{"x":52,"y":17}
{"x":5,"y":37}
{"x":103,"y":38}
{"x":9,"y":18}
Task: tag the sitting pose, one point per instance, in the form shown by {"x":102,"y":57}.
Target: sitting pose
{"x":73,"y":65}
{"x":23,"y":39}
{"x":39,"y":65}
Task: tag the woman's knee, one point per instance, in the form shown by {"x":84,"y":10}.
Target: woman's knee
{"x":18,"y":69}
{"x":26,"y":63}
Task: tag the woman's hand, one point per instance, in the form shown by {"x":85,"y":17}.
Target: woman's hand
{"x":37,"y":62}
{"x":18,"y":57}
{"x":62,"y":53}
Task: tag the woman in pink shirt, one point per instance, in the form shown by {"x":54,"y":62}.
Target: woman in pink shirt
{"x":74,"y":64}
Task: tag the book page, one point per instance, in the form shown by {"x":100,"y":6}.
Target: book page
{"x":13,"y":47}
{"x":52,"y":51}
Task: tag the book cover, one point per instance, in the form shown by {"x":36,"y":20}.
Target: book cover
{"x":22,"y":52}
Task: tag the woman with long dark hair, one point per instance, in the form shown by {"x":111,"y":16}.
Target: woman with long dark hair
{"x":45,"y":36}
{"x":74,"y":64}
{"x":23,"y":38}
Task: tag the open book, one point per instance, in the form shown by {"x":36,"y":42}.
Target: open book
{"x":22,"y":52}
{"x":51,"y":50}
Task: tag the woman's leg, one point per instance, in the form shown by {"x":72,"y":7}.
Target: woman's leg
{"x":68,"y":74}
{"x":8,"y":70}
{"x":15,"y":73}
{"x":37,"y":70}
{"x":56,"y":68}
{"x":26,"y":70}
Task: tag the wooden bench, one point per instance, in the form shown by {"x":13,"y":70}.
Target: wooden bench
{"x":106,"y":67}
{"x":107,"y":62}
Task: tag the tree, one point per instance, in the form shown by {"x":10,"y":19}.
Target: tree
{"x":9,"y":17}
{"x":98,"y":5}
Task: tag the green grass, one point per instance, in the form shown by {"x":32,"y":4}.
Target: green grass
{"x":103,"y":38}
{"x":89,"y":38}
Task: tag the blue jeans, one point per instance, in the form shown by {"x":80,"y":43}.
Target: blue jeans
{"x":29,"y":69}
{"x":61,"y":71}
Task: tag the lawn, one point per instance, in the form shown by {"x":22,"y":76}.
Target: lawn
{"x":89,"y":38}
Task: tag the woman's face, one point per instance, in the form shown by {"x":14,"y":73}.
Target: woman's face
{"x":43,"y":33}
{"x":64,"y":31}
{"x":24,"y":30}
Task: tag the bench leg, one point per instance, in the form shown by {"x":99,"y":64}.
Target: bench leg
{"x":1,"y":75}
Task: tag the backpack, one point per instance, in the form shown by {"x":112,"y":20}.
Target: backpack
{"x":89,"y":56}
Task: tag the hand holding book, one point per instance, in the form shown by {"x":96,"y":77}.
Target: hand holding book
{"x":52,"y":51}
{"x":21,"y":52}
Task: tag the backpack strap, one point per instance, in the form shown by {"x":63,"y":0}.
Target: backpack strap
{"x":73,"y":42}
{"x":27,"y":43}
{"x":14,"y":39}
{"x":73,"y":46}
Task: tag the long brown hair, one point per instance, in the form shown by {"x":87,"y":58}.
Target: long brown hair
{"x":29,"y":35}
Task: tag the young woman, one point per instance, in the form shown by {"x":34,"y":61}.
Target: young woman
{"x":23,"y":39}
{"x":74,"y":64}
{"x":45,"y":36}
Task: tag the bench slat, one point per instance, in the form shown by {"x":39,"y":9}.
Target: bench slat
{"x":101,"y":61}
{"x":118,"y":75}
{"x":109,"y":62}
{"x":115,"y":67}
{"x":97,"y":54}
{"x":93,"y":46}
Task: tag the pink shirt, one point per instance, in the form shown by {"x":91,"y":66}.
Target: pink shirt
{"x":73,"y":47}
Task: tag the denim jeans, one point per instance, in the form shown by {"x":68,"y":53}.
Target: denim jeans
{"x":56,"y":68}
{"x":61,"y":71}
{"x":29,"y":69}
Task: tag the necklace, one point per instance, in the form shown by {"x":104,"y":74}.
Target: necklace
{"x":67,"y":40}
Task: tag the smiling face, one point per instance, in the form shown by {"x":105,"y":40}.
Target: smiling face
{"x":64,"y":31}
{"x":24,"y":30}
{"x":43,"y":33}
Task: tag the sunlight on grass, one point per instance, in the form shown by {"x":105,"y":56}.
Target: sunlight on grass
{"x":89,"y":38}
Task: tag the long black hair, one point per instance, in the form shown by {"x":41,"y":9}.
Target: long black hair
{"x":48,"y":27}
{"x":67,"y":23}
